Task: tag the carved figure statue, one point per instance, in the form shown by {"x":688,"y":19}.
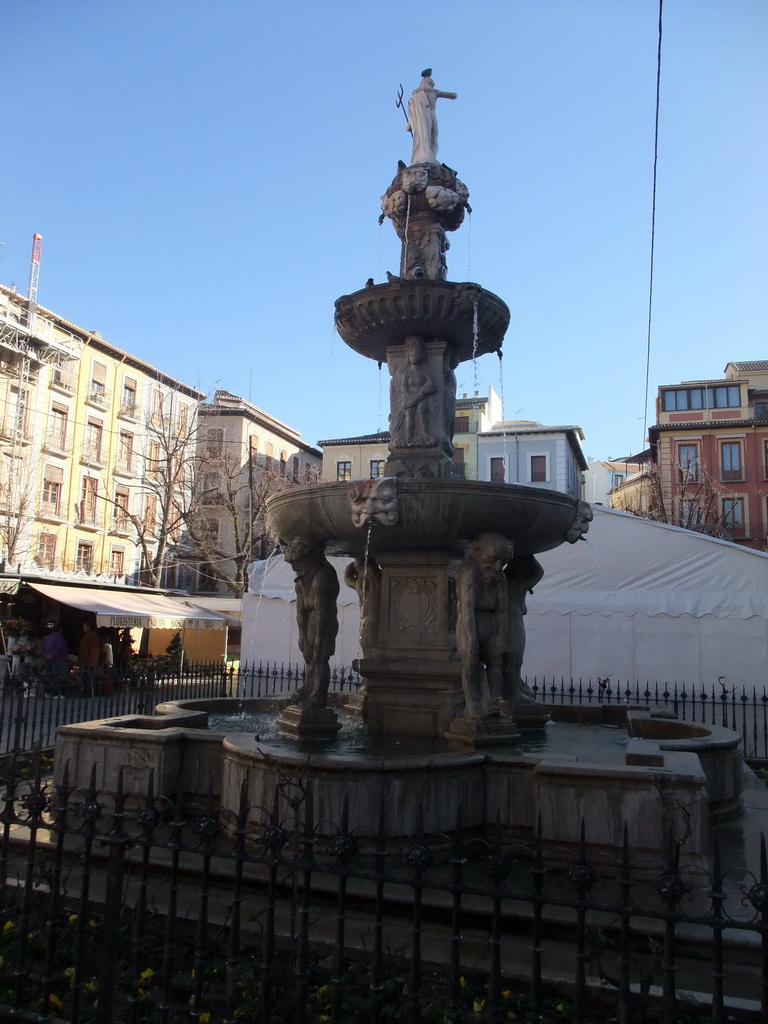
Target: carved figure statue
{"x":522,"y":573}
{"x":481,"y":622}
{"x":422,"y":118}
{"x":317,"y":589}
{"x":365,"y":580}
{"x":411,"y":398}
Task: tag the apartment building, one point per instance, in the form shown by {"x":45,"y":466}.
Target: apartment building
{"x":532,"y":453}
{"x":709,"y":451}
{"x":86,"y":430}
{"x":244,"y":456}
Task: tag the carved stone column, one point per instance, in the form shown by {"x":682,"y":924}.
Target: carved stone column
{"x":412,"y":679}
{"x":422,"y":390}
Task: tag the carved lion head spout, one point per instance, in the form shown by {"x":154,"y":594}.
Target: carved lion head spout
{"x":374,"y":501}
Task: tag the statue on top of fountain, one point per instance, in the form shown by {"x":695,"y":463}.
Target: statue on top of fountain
{"x":422,"y":118}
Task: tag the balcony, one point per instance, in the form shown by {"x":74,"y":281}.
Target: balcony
{"x":50,"y":510}
{"x":62,"y":381}
{"x":92,"y":455}
{"x":129,"y":410}
{"x":57,"y":441}
{"x":12,"y":430}
{"x":126,"y":467}
{"x":98,"y":396}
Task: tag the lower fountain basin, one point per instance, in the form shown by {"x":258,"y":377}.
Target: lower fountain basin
{"x":431,"y":514}
{"x":668,"y":765}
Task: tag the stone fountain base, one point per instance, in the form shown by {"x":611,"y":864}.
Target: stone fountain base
{"x":674,"y":775}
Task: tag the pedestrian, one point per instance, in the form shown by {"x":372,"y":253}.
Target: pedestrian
{"x":88,"y":654}
{"x":55,"y":654}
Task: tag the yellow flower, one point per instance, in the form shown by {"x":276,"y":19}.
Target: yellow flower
{"x":141,"y":993}
{"x":322,"y":992}
{"x":69,"y":972}
{"x":52,"y":1002}
{"x":91,"y":924}
{"x":462,"y":982}
{"x":90,"y":987}
{"x":8,"y":925}
{"x":204,"y":1018}
{"x":146,"y":975}
{"x":506,"y":994}
{"x":73,"y":918}
{"x":477,"y":1006}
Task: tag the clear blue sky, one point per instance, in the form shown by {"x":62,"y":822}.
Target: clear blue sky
{"x":206,"y":175}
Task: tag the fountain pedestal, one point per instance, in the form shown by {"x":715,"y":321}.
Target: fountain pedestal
{"x":412,"y":678}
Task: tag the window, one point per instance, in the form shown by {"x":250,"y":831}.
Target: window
{"x":214,"y":441}
{"x":283,"y":460}
{"x":125,"y":452}
{"x":295,"y":469}
{"x":730,"y":460}
{"x":688,"y":463}
{"x":16,"y":420}
{"x":308,"y":474}
{"x":98,"y":388}
{"x":182,"y":422}
{"x":458,"y":461}
{"x":461,"y":425}
{"x":377,"y":468}
{"x":88,"y":496}
{"x":725,"y":396}
{"x":497,"y":471}
{"x":94,"y":433}
{"x":538,"y":469}
{"x":690,"y":513}
{"x":57,"y":428}
{"x":343,"y":470}
{"x":150,"y":513}
{"x":121,"y":507}
{"x":616,"y":478}
{"x":45,"y":556}
{"x":761,"y":410}
{"x":683,"y":399}
{"x":128,"y":400}
{"x":153,"y":458}
{"x":53,"y":478}
{"x":156,"y":414}
{"x":733,"y":516}
{"x":84,"y":556}
{"x":117,"y":561}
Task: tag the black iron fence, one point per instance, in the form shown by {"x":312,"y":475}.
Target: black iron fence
{"x":115,"y":911}
{"x":31,"y":708}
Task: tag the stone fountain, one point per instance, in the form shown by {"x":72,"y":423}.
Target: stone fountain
{"x":442,"y":567}
{"x":437,"y":559}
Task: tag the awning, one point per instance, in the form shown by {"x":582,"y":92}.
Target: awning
{"x":230,"y":607}
{"x":125,"y":610}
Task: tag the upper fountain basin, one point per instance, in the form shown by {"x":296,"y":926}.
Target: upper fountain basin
{"x":431,"y":515}
{"x":472,"y":320}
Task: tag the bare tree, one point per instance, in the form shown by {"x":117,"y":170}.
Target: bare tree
{"x":19,"y":491}
{"x":697,"y":503}
{"x":226,"y":527}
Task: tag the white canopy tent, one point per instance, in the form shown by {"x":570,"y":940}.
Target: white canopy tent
{"x":636,"y":600}
{"x":123,"y":609}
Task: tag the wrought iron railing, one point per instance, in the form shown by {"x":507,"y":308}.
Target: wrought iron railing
{"x":135,"y":688}
{"x":117,"y":910}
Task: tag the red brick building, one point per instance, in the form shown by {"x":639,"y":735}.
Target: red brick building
{"x":709,"y":454}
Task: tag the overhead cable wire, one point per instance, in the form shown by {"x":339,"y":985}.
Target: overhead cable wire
{"x":653,"y":229}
